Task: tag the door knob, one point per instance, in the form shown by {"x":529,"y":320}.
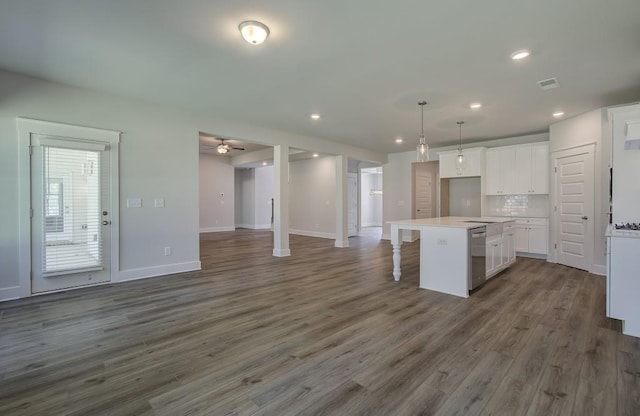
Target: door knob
{"x":106,"y":222}
{"x":584,"y":217}
{"x":105,"y":213}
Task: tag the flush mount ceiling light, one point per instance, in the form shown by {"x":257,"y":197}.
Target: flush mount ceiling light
{"x":315,"y":116}
{"x":558,"y":114}
{"x":460,"y":160}
{"x":475,"y":106}
{"x":253,"y":32}
{"x":315,"y":155}
{"x":398,"y":140}
{"x":264,"y":163}
{"x":422,"y":150}
{"x":521,"y":54}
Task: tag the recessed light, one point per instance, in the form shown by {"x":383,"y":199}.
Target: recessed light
{"x":475,"y":106}
{"x":253,"y":32}
{"x":315,"y":155}
{"x":315,"y":116}
{"x":264,"y":163}
{"x":558,"y":114}
{"x":521,"y":54}
{"x":398,"y":140}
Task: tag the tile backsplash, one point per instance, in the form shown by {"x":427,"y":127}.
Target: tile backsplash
{"x":518,"y":205}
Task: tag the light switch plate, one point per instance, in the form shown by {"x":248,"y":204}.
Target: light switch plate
{"x":134,"y":203}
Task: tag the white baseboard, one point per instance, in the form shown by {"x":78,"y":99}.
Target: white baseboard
{"x":143,"y":273}
{"x":533,"y":256}
{"x":312,"y":233}
{"x":341,"y":244}
{"x":9,"y":293}
{"x":371,"y":224}
{"x":281,"y":253}
{"x":216,"y":229}
{"x":254,"y":227}
{"x":599,"y":269}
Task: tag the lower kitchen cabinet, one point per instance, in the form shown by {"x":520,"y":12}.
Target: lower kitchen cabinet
{"x":531,"y":235}
{"x":494,"y":255}
{"x":509,"y":247}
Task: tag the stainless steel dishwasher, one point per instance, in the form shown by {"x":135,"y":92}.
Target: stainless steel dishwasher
{"x":477,"y":256}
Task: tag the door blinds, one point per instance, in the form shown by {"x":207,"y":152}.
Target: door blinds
{"x":71,"y":240}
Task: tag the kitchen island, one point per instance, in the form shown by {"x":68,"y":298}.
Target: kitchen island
{"x":446,"y":250}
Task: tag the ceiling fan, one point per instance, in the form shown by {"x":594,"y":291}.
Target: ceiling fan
{"x":223,"y":147}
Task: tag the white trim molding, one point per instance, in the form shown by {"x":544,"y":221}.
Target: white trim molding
{"x":145,"y":272}
{"x":26,"y":127}
{"x":216,"y":229}
{"x":312,"y":233}
{"x":281,"y":253}
{"x":9,"y":293}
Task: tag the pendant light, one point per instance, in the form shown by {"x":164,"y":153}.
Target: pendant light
{"x":460,"y":160}
{"x":422,"y":150}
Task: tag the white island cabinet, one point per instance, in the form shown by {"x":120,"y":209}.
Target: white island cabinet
{"x":445,"y":264}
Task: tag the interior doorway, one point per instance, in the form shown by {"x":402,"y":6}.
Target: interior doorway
{"x":425,"y":190}
{"x":371,"y":200}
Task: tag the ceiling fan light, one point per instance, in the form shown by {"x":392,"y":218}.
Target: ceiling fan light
{"x":222,"y":149}
{"x":253,"y":32}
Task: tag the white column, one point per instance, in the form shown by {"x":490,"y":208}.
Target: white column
{"x":281,"y":201}
{"x":342,"y":186}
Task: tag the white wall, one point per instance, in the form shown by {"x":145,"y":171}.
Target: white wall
{"x":591,"y":127}
{"x":312,"y":187}
{"x":396,"y":184}
{"x":158,"y":159}
{"x":216,"y":178}
{"x":263,"y":196}
{"x":245,"y":198}
{"x":371,"y":205}
{"x":464,"y":197}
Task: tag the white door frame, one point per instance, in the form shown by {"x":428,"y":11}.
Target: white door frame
{"x":553,"y":223}
{"x":26,"y":127}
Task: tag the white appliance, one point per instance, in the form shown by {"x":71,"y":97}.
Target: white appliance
{"x":623,"y":236}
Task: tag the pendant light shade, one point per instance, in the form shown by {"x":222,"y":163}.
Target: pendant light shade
{"x":422,"y":150}
{"x":460,"y":159}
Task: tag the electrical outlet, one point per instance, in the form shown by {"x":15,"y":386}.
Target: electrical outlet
{"x":159,"y":202}
{"x":167,"y":251}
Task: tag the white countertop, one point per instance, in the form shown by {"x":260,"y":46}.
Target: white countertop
{"x":612,"y":232}
{"x":457,"y":222}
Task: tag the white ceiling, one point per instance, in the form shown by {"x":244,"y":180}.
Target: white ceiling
{"x":362,"y":64}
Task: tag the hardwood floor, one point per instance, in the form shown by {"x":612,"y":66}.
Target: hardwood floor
{"x":324,"y":332}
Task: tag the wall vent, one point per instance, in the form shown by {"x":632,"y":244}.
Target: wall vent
{"x":547,"y":84}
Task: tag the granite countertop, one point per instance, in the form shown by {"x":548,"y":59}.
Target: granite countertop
{"x":457,"y":222}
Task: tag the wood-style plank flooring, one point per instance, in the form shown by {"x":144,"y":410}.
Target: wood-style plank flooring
{"x":323,"y":332}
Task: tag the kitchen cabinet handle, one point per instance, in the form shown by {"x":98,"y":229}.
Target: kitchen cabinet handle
{"x":584,"y":217}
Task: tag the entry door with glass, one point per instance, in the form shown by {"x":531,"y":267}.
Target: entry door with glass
{"x":70,"y":224}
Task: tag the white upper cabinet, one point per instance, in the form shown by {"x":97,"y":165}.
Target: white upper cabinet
{"x":532,"y":169}
{"x":518,"y":170}
{"x":474,"y":161}
{"x":501,"y":166}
